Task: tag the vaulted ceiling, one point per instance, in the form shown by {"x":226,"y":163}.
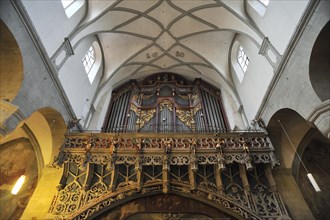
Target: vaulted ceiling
{"x":191,"y":37}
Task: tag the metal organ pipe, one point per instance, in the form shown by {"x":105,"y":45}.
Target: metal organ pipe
{"x":216,"y":113}
{"x":121,"y":114}
{"x":115,"y":127}
{"x":209,"y":112}
{"x":118,"y":112}
{"x":112,"y":115}
{"x":213,"y":112}
{"x":124,"y":109}
{"x":221,"y":119}
{"x":198,"y":121}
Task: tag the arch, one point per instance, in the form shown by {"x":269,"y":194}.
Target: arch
{"x":45,"y":129}
{"x":314,"y":150}
{"x":319,"y":65}
{"x":112,"y":200}
{"x":18,"y":157}
{"x":163,"y":205}
{"x":57,"y":128}
{"x":289,"y":142}
{"x":11,"y":63}
{"x":295,"y":126}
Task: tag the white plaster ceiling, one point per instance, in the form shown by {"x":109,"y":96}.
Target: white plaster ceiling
{"x":188,"y":37}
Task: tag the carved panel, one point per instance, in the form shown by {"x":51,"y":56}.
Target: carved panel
{"x":130,"y":166}
{"x":186,"y":117}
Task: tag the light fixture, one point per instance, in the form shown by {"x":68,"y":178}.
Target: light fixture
{"x":128,"y":115}
{"x":202,"y":114}
{"x":313,"y":182}
{"x":18,"y":185}
{"x":309,"y":175}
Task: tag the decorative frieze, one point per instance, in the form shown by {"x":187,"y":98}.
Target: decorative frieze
{"x":104,"y":169}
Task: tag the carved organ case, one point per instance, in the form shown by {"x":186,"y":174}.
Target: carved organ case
{"x":165,"y":103}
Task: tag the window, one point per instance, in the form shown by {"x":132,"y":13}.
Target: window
{"x":67,"y":3}
{"x":242,"y":59}
{"x":71,"y":6}
{"x":260,"y":6}
{"x":264,"y":2}
{"x":88,"y":62}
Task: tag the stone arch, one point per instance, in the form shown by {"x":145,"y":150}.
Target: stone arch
{"x":295,"y":126}
{"x":18,"y":157}
{"x":310,"y":155}
{"x":11,"y":63}
{"x":43,"y":133}
{"x":110,"y":201}
{"x":314,"y":151}
{"x":45,"y":129}
{"x":57,"y":127}
{"x":319,"y":66}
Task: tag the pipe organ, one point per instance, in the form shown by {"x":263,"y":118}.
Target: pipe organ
{"x":167,"y":136}
{"x":166,"y":103}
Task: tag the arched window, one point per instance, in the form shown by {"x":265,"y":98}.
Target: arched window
{"x":242,"y":59}
{"x":259,"y":6}
{"x":88,"y":61}
{"x":264,"y":2}
{"x":67,"y":3}
{"x":71,"y":6}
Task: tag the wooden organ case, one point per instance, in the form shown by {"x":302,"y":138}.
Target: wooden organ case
{"x":166,"y":103}
{"x":168,"y":137}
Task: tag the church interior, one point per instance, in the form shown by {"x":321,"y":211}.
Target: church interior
{"x":164,"y":109}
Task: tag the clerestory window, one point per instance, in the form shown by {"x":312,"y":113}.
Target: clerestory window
{"x":264,"y":2}
{"x":71,"y":6}
{"x":260,"y":6}
{"x":67,"y":3}
{"x":88,"y":61}
{"x":242,"y":59}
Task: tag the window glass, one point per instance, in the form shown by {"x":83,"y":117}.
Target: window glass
{"x":71,"y":6}
{"x":265,"y":2}
{"x":88,"y":61}
{"x":67,"y":3}
{"x":242,"y":59}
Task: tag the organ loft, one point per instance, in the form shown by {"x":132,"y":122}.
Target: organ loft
{"x":165,"y":137}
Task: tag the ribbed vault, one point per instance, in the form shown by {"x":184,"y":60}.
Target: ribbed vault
{"x":184,"y":37}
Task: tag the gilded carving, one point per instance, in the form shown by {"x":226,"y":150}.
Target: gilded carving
{"x":183,"y":96}
{"x":134,"y":109}
{"x":147,"y":96}
{"x":186,"y":117}
{"x":145,"y":116}
{"x":197,"y":108}
{"x":194,"y":97}
{"x":167,"y":144}
{"x":121,"y":166}
{"x":165,"y":104}
{"x":121,"y":92}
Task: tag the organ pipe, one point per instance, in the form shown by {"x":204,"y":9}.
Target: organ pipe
{"x":195,"y":106}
